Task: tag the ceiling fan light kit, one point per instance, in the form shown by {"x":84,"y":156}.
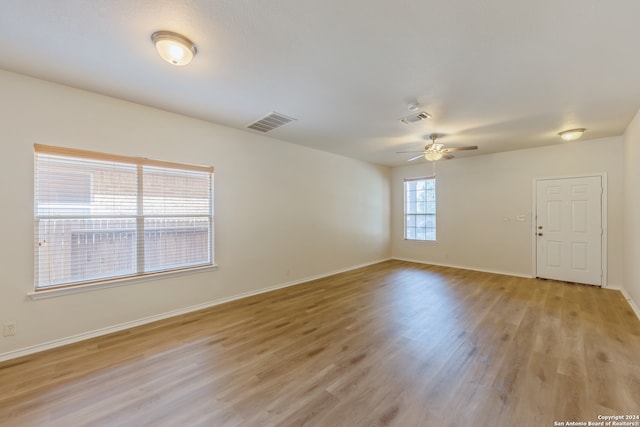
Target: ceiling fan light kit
{"x":174,"y":48}
{"x":433,"y":155}
{"x":571,"y":134}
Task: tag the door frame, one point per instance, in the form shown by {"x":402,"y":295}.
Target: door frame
{"x":534,"y":220}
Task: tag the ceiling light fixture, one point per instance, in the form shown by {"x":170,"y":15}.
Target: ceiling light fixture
{"x":174,"y":48}
{"x":571,"y":134}
{"x":432,"y":155}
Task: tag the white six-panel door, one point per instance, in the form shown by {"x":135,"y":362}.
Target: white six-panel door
{"x":569,"y":229}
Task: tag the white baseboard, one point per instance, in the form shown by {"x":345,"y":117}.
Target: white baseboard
{"x":632,"y":303}
{"x":132,"y":324}
{"x":462,"y":267}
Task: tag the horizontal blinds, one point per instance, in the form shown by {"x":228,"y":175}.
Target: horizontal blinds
{"x":109,"y":216}
{"x":177,"y":218}
{"x":419,"y":179}
{"x":95,"y":155}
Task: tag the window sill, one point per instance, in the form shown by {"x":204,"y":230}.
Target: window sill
{"x":421,"y":241}
{"x":89,"y":287}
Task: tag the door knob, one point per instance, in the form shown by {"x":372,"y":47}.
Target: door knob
{"x":539,"y":234}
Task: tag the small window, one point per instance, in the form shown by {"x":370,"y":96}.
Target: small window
{"x":100,"y":217}
{"x":420,"y":209}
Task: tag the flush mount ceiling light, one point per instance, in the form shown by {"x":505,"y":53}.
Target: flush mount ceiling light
{"x":174,"y":48}
{"x":571,"y":134}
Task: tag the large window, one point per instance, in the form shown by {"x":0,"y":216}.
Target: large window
{"x":420,"y":209}
{"x":100,"y":217}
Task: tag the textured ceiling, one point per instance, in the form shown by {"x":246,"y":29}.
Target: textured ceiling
{"x":500,"y":74}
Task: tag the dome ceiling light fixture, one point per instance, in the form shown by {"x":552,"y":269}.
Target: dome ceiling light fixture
{"x":174,"y":48}
{"x":571,"y":134}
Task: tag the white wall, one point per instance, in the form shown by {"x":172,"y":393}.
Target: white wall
{"x":283,"y":212}
{"x":632,"y":209}
{"x":475,"y":194}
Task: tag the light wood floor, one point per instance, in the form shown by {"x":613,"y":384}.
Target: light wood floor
{"x":395,"y":344}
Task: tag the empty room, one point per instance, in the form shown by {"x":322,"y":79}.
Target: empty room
{"x":336,"y":213}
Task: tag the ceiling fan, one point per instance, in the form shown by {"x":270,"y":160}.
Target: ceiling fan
{"x":436,"y":151}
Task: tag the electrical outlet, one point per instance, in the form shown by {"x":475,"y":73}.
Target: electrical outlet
{"x":9,"y":329}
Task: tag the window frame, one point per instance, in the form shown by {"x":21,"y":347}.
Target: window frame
{"x":139,"y":275}
{"x":406,"y":214}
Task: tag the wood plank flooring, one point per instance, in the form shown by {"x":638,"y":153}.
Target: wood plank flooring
{"x":394,"y":344}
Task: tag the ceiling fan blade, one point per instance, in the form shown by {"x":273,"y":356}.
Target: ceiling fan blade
{"x":470,"y":147}
{"x":415,"y":158}
{"x":405,"y":152}
{"x":448,"y":156}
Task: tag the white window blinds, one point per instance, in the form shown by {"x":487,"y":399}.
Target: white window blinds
{"x":100,"y":217}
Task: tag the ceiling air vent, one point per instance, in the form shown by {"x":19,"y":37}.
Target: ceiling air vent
{"x":270,"y":122}
{"x":422,"y":115}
